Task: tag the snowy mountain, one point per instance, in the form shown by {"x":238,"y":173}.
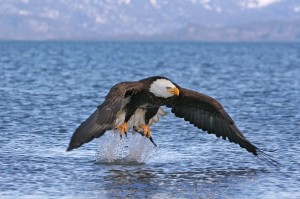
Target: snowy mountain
{"x":121,"y":19}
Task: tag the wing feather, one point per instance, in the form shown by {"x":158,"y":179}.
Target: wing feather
{"x":104,"y":117}
{"x":93,"y":127}
{"x":208,"y":114}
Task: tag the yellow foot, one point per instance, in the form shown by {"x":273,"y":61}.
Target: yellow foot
{"x":146,"y":130}
{"x":123,"y":129}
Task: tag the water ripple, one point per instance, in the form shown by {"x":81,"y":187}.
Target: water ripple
{"x":48,"y":88}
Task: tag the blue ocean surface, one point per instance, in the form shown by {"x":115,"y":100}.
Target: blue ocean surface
{"x":48,"y":88}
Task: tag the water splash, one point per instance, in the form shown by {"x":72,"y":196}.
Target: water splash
{"x":132,"y":149}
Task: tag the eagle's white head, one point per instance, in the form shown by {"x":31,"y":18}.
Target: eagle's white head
{"x":163,"y":88}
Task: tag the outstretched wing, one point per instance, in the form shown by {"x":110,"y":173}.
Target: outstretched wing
{"x":104,"y":117}
{"x":207,"y":114}
{"x":93,"y":127}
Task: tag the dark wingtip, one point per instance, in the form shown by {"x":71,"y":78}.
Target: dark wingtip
{"x":69,"y":148}
{"x":73,"y":145}
{"x":267,"y":158}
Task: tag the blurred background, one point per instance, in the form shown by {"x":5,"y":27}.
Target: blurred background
{"x":200,"y":20}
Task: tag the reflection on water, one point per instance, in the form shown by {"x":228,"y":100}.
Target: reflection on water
{"x":156,"y":182}
{"x":120,"y":183}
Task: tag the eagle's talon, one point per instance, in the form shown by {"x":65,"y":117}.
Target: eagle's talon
{"x":123,"y":129}
{"x":146,"y":130}
{"x":152,"y":141}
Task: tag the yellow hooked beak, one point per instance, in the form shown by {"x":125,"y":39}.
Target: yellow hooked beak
{"x":174,"y":91}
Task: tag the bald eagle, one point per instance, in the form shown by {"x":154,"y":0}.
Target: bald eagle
{"x":137,"y":105}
